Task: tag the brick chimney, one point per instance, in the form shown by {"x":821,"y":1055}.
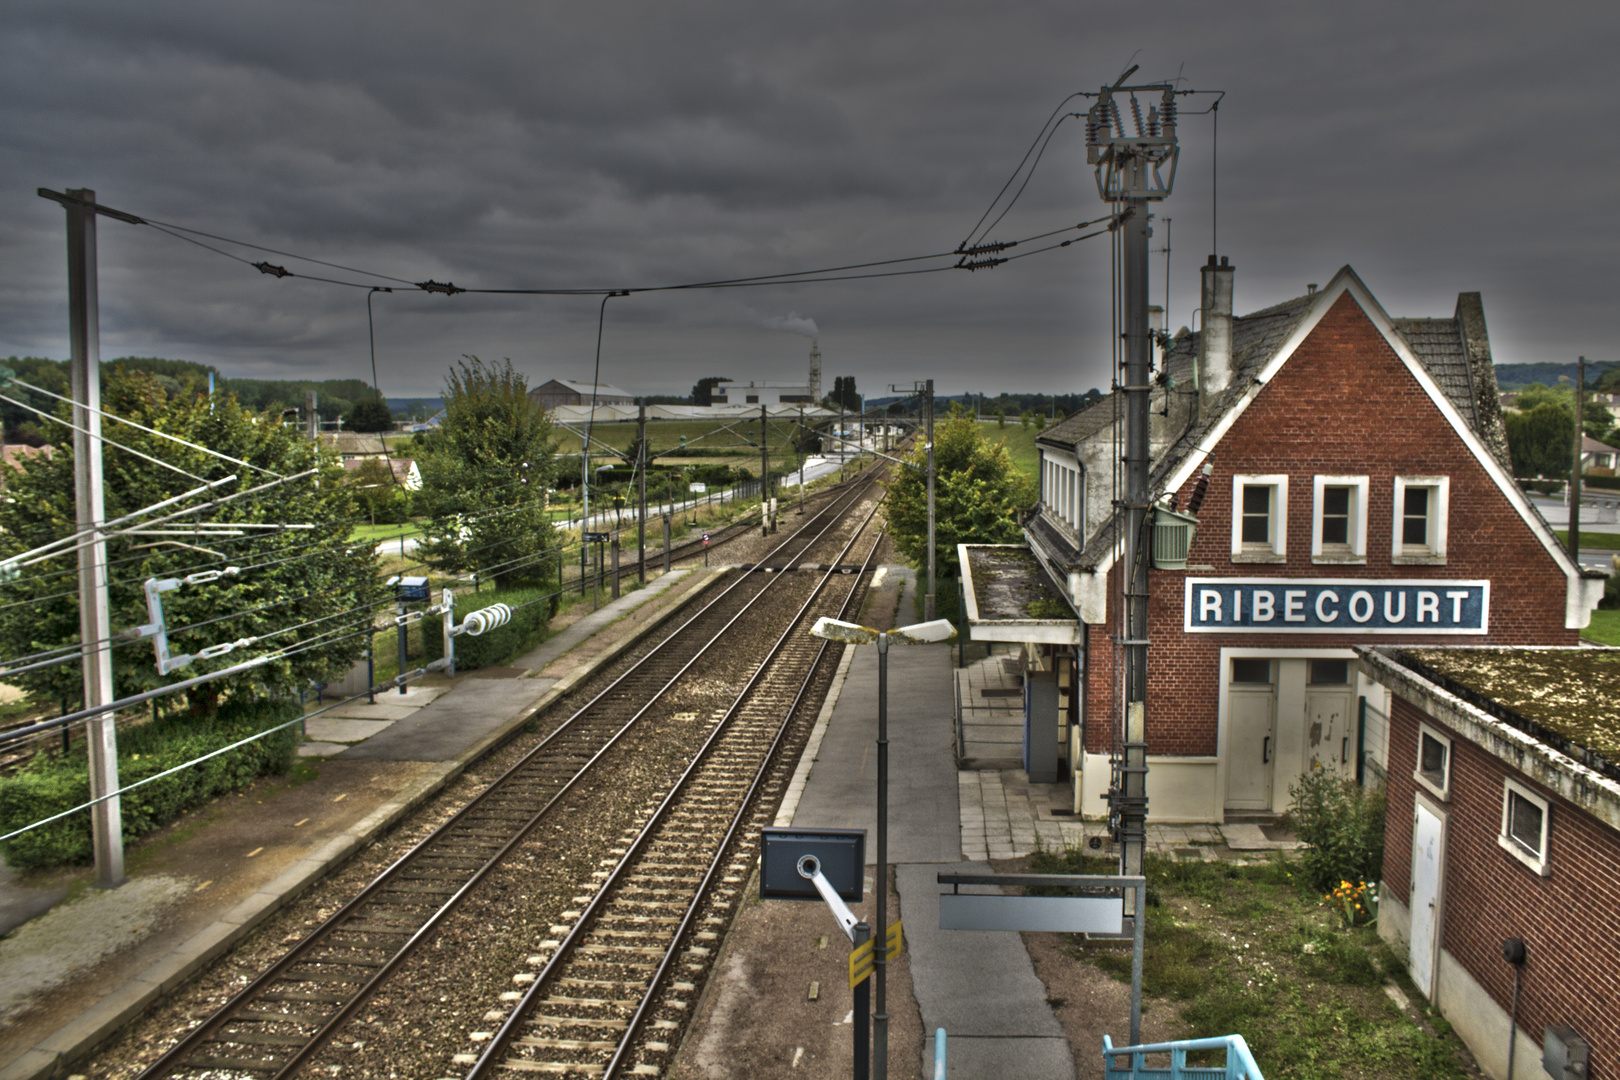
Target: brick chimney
{"x":1215,"y":343}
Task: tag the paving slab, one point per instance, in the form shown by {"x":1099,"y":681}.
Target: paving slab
{"x":385,"y":709}
{"x":442,"y":730}
{"x":841,"y":790}
{"x":338,"y":729}
{"x":321,"y":749}
{"x":979,"y":986}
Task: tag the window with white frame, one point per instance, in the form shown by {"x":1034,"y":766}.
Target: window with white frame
{"x":1260,"y":518}
{"x":1339,"y":522}
{"x":1063,"y":492}
{"x":1433,"y":762}
{"x":1420,"y":512}
{"x":1525,"y":819}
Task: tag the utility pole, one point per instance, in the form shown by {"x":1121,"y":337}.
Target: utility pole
{"x":95,"y":629}
{"x":764,"y":472}
{"x":801,"y":460}
{"x":311,"y":401}
{"x":1575,"y":471}
{"x":584,"y":504}
{"x":928,"y":598}
{"x":1129,"y":172}
{"x":641,"y":471}
{"x":925,"y":403}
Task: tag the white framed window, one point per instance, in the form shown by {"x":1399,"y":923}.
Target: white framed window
{"x":1063,"y":492}
{"x":1260,"y":518}
{"x":1339,"y":521}
{"x":1420,"y":513}
{"x":1433,"y":769}
{"x":1525,"y":818}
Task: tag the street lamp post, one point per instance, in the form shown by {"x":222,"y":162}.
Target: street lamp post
{"x":926,"y":633}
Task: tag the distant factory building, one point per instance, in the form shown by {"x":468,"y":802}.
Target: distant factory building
{"x":769,"y":393}
{"x":570,"y":392}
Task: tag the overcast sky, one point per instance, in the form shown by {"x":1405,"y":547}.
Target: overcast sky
{"x":1435,"y":147}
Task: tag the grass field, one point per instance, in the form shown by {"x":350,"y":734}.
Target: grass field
{"x":1020,"y":444}
{"x":1591,"y":538}
{"x":1604,"y":628}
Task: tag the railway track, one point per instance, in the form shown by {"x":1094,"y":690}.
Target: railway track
{"x":614,"y":992}
{"x":282,"y":1018}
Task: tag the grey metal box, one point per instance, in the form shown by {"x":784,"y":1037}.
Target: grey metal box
{"x":841,"y":854}
{"x":1564,"y":1054}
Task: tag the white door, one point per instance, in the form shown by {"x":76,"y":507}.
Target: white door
{"x":1329,"y":733}
{"x":1251,"y":734}
{"x":1428,"y":855}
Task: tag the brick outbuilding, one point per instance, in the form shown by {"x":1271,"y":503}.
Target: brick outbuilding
{"x":1503,"y":822}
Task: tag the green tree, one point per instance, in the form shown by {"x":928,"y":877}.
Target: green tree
{"x":1541,"y":440}
{"x":372,"y":415}
{"x":703,"y":392}
{"x":1023,"y":419}
{"x":485,"y":477}
{"x":288,"y":577}
{"x":377,"y":493}
{"x":1001,"y":417}
{"x":978,"y":492}
{"x":1040,"y":421}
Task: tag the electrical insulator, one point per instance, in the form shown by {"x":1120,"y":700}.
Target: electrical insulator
{"x":273,"y":270}
{"x":1136,"y":115}
{"x":1153,"y":122}
{"x":438,"y":287}
{"x":1167,"y":111}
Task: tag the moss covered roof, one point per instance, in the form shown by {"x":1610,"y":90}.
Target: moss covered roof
{"x":1574,"y":692}
{"x":1008,"y":583}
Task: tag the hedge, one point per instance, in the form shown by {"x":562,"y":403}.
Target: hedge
{"x":52,"y":783}
{"x":494,"y":646}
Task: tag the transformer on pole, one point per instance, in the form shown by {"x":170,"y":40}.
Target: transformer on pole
{"x":1132,"y":171}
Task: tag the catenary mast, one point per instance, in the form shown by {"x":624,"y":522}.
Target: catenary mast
{"x":1133,"y":170}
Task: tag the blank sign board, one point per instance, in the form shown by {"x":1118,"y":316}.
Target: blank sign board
{"x":1068,"y":914}
{"x":840,"y":855}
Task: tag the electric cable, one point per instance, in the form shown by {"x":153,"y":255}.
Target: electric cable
{"x":1016,"y":171}
{"x":1027,"y":176}
{"x":151,"y":431}
{"x":102,"y":438}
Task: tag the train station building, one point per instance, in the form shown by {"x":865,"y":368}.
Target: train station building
{"x":1325,"y":476}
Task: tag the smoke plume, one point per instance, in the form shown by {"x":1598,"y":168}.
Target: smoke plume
{"x":792,"y":322}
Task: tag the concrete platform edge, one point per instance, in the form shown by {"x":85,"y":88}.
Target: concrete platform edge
{"x":52,"y":1058}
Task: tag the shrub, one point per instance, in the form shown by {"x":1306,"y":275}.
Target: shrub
{"x":51,"y":784}
{"x":1344,"y":826}
{"x":494,"y":646}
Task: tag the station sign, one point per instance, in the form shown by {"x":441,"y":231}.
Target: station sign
{"x":1336,"y":606}
{"x":596,"y":538}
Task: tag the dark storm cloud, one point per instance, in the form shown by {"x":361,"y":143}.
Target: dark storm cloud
{"x":632,"y":144}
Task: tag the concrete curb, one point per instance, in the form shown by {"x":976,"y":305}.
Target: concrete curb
{"x":75,"y":1040}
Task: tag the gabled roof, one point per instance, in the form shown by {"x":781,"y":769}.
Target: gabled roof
{"x":1449,"y":358}
{"x":584,"y":389}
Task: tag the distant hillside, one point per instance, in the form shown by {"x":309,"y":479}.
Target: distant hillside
{"x":1518,"y":376}
{"x":334,"y":397}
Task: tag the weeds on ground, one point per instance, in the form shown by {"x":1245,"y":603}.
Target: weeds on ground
{"x":1258,"y":951}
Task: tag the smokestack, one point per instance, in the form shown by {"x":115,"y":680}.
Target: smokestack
{"x":815,"y":371}
{"x":1215,"y":343}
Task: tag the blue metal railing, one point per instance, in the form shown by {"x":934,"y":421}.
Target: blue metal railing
{"x":1239,"y":1062}
{"x":939,"y":1054}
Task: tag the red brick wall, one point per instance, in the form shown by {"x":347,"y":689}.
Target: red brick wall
{"x":1569,"y":921}
{"x":1343,"y":405}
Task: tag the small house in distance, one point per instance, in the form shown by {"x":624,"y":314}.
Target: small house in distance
{"x":1503,"y":824}
{"x":557,"y":392}
{"x":352,"y":446}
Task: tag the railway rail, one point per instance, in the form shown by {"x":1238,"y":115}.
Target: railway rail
{"x":616,"y":988}
{"x":282,"y":1018}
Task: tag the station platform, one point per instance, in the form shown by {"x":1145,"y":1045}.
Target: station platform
{"x":78,"y":963}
